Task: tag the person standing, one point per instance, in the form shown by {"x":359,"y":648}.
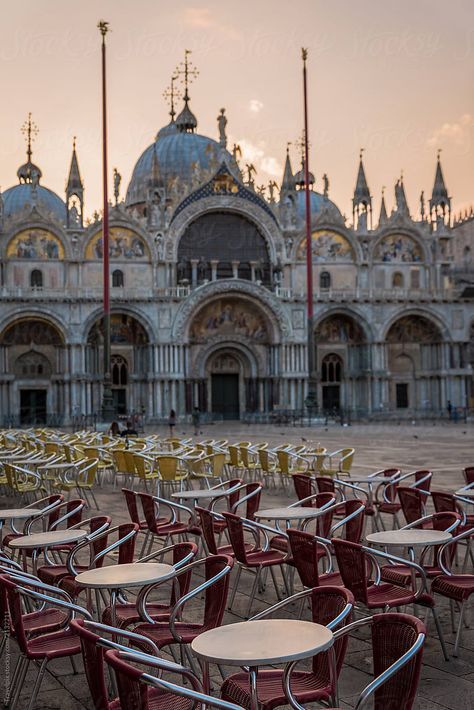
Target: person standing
{"x":172,"y":422}
{"x":196,"y":418}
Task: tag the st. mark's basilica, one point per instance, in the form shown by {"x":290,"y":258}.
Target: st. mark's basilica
{"x":208,"y":292}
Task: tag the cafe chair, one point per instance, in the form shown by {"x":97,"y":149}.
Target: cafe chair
{"x":128,"y":613}
{"x":354,"y":561}
{"x":455,"y":587}
{"x":139,"y":690}
{"x":176,"y":630}
{"x":41,"y":648}
{"x":331,"y":607}
{"x":397,"y":650}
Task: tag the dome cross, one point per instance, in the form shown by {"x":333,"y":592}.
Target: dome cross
{"x":30,"y":131}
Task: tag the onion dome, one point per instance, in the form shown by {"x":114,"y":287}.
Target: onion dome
{"x":186,"y":121}
{"x":299,"y":178}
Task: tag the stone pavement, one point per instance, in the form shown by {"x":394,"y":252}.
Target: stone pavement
{"x":445,"y":449}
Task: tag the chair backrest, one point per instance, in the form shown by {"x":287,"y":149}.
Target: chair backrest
{"x":445,"y":502}
{"x":326,"y":604}
{"x":392,"y":636}
{"x":352,"y":524}
{"x":304,"y":550}
{"x":284,"y":461}
{"x":215,"y":599}
{"x":149,"y":510}
{"x":325,"y":484}
{"x":347,"y":456}
{"x":352,"y":565}
{"x":412,"y":502}
{"x":304,"y":486}
{"x":69,"y":512}
{"x":93,"y":656}
{"x":254,"y":493}
{"x":234,"y":455}
{"x":132,"y":507}
{"x":167,"y":466}
{"x":235,"y":529}
{"x":468,"y":473}
{"x":323,"y":521}
{"x":207,"y":526}
{"x":218,"y":463}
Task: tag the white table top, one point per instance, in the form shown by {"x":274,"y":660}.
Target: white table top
{"x":45,"y":539}
{"x":198,"y":494}
{"x":409,"y":538}
{"x":465,"y":492}
{"x":368,"y":479}
{"x":19,"y":513}
{"x":130,"y":575}
{"x":262,"y":642}
{"x":297,"y":513}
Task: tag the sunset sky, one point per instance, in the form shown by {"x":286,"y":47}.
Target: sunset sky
{"x":396,"y":78}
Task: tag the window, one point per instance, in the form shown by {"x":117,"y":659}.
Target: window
{"x":36,"y":279}
{"x":117,"y":279}
{"x":325,"y":279}
{"x":331,"y":370}
{"x":397,"y":280}
{"x":119,"y":370}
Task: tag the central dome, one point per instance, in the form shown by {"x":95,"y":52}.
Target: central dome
{"x":177,"y":154}
{"x":16,"y":198}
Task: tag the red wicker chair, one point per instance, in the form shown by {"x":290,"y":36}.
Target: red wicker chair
{"x":128,"y":613}
{"x":354,"y":561}
{"x":215,"y":588}
{"x":412,"y":501}
{"x":330,"y":606}
{"x":397,"y":649}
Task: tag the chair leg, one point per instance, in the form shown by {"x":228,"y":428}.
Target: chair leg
{"x":94,"y":499}
{"x":459,"y":631}
{"x":234,"y":590}
{"x":272,"y":572}
{"x":252,"y":594}
{"x":39,"y":680}
{"x":440,"y":634}
{"x":20,"y":677}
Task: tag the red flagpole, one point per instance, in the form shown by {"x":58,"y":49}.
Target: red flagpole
{"x":311,"y":399}
{"x":107,"y":401}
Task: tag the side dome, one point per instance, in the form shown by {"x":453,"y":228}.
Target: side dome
{"x":16,"y":198}
{"x":318,"y":203}
{"x":177,"y":154}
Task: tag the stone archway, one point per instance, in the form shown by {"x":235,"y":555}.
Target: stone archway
{"x":227,"y":370}
{"x":414,"y":358}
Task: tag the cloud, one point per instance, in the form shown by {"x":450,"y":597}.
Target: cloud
{"x":255,"y":105}
{"x":255,"y":153}
{"x":458,"y":133}
{"x":204,"y":19}
{"x":199,"y":17}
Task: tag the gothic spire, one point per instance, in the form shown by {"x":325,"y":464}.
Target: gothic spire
{"x":288,"y":182}
{"x":74,"y":192}
{"x":401,"y":198}
{"x":440,"y":200}
{"x":383,"y":210}
{"x":362,"y":200}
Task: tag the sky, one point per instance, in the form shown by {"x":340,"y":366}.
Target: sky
{"x":394,"y":78}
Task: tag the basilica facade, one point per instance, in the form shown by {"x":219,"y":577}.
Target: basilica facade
{"x":208,"y":293}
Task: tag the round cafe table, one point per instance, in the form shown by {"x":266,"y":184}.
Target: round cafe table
{"x":411,"y":538}
{"x":298,"y":513}
{"x":41,"y":541}
{"x":260,"y":643}
{"x":116,"y":577}
{"x":16,"y":514}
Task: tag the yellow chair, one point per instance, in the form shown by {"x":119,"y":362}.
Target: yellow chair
{"x":269,"y":466}
{"x":120,"y":466}
{"x":145,"y":469}
{"x":208,"y":467}
{"x":250,"y":462}
{"x":171,"y":472}
{"x":85,"y":480}
{"x":340,"y":467}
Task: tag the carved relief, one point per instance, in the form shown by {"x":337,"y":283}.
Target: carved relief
{"x":124,"y":330}
{"x":26,"y":332}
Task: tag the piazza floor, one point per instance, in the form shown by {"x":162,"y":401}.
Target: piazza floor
{"x":444,"y":448}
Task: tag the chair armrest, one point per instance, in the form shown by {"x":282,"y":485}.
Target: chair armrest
{"x":72,"y":608}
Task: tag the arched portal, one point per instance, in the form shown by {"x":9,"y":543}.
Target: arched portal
{"x":342,"y":357}
{"x":230,"y":340}
{"x":130,"y":358}
{"x":414,"y":357}
{"x":34,"y":352}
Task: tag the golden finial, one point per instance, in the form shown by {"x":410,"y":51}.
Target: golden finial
{"x":188,"y":71}
{"x":103,"y":26}
{"x":439,"y":153}
{"x":172,"y":93}
{"x":361,"y":153}
{"x":30,"y":131}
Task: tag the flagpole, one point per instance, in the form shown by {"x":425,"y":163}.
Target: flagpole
{"x":108,"y":411}
{"x":311,"y":396}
